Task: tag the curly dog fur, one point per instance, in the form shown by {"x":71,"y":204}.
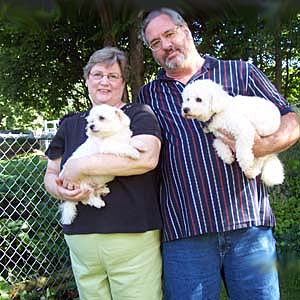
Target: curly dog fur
{"x":242,"y":117}
{"x":108,"y":132}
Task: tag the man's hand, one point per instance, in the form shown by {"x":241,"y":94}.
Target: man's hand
{"x":259,"y":146}
{"x":228,"y":139}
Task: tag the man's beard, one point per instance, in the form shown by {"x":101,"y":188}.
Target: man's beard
{"x":173,"y":64}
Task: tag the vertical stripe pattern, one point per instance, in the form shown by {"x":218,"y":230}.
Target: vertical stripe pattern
{"x":200,"y":193}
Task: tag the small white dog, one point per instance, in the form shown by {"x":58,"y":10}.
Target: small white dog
{"x":108,"y":132}
{"x":241,"y":116}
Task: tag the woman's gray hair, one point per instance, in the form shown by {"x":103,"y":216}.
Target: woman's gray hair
{"x":108,"y":56}
{"x":174,"y":15}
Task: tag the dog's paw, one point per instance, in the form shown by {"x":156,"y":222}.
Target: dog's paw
{"x":252,"y":173}
{"x":223,"y":151}
{"x":272,"y":171}
{"x":96,"y":202}
{"x":99,"y":203}
{"x":103,"y":191}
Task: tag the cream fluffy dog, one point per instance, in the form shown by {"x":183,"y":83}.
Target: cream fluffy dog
{"x":241,"y":116}
{"x":108,"y":132}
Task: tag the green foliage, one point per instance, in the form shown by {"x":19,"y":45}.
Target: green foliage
{"x":28,"y":217}
{"x":254,"y":37}
{"x":285,"y":203}
{"x":38,"y":66}
{"x":42,"y":55}
{"x":287,"y":231}
{"x":4,"y":289}
{"x":42,"y":52}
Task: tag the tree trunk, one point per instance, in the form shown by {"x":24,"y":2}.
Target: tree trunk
{"x":287,"y":74}
{"x":105,"y":12}
{"x":278,"y":58}
{"x":136,"y":57}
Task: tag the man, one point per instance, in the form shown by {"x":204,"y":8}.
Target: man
{"x":217,"y":223}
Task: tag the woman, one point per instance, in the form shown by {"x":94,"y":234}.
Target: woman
{"x":115,"y":250}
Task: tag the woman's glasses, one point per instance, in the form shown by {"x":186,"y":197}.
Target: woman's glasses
{"x":112,"y":77}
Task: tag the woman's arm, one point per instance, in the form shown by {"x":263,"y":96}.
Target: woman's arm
{"x":107,"y":164}
{"x":55,"y":187}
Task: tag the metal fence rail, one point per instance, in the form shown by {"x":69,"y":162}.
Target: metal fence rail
{"x":33,"y":254}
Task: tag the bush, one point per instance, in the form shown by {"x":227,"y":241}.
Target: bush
{"x":285,"y":204}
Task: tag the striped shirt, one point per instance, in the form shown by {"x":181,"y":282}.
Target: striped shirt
{"x":199,"y":192}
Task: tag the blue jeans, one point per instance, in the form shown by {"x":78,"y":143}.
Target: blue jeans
{"x":245,"y":259}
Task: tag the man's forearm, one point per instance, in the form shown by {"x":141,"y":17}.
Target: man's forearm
{"x":287,"y":134}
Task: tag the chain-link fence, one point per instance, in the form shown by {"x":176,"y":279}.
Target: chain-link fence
{"x":33,"y":255}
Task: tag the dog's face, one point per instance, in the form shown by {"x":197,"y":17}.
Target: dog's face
{"x":198,"y":98}
{"x":105,"y":120}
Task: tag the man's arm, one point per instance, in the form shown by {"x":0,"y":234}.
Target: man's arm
{"x":287,"y":134}
{"x":107,"y":164}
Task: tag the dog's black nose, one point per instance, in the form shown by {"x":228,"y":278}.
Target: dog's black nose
{"x":186,"y":110}
{"x":92,"y":127}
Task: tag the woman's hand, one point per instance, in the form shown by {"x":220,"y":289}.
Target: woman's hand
{"x":71,"y":173}
{"x":71,"y":192}
{"x":57,"y":189}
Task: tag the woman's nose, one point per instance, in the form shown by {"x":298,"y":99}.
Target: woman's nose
{"x":104,"y":79}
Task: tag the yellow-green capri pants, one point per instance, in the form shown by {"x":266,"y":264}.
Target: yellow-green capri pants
{"x":119,"y":266}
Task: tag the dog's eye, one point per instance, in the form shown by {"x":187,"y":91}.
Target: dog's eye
{"x":198,"y":99}
{"x":101,"y":118}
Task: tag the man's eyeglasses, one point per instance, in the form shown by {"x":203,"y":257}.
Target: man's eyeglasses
{"x":112,"y":77}
{"x":168,"y":35}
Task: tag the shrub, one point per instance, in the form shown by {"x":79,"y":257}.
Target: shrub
{"x":285,"y":204}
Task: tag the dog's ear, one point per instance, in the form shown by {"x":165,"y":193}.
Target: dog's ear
{"x":124,"y":119}
{"x":218,"y":97}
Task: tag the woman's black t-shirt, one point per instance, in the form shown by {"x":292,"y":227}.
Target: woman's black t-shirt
{"x":132,"y":204}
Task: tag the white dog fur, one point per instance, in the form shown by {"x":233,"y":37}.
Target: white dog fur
{"x":242,"y":116}
{"x":108,"y":132}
